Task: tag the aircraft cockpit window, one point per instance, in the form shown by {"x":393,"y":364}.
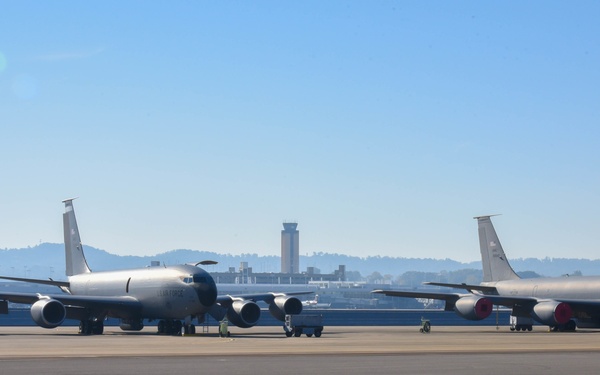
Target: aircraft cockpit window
{"x":199,"y":279}
{"x":188,"y":280}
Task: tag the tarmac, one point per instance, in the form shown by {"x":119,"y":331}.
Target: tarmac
{"x":265,"y":350}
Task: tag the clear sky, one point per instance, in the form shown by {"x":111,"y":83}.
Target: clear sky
{"x":381,"y":127}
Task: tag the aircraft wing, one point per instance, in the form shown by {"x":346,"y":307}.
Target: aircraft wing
{"x":578,"y":305}
{"x":448,"y":297}
{"x":123,"y":305}
{"x":481,"y":288}
{"x":267,"y":297}
{"x":243,"y":311}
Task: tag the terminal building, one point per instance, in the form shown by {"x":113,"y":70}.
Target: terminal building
{"x":290,"y":266}
{"x":331,"y":290}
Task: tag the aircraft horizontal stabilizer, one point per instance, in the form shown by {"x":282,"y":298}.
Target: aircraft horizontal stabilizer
{"x":38,"y":281}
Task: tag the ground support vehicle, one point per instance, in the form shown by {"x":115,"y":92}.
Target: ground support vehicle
{"x":425,"y":326}
{"x":224,"y":328}
{"x":520,"y":323}
{"x":310,"y":325}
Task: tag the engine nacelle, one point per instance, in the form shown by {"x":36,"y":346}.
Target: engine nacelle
{"x":552,"y":313}
{"x":473,"y":307}
{"x":283,"y":305}
{"x":48,"y":313}
{"x":244,"y":313}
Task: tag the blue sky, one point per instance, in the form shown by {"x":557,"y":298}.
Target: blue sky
{"x":381,"y":127}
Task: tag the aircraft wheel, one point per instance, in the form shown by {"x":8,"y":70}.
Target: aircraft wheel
{"x":288,"y":334}
{"x":512,"y":328}
{"x":177,"y":325}
{"x":168,"y":327}
{"x":97,"y":327}
{"x":530,"y":328}
{"x":298,"y":333}
{"x":309,"y":335}
{"x":85,"y":327}
{"x":318,"y":333}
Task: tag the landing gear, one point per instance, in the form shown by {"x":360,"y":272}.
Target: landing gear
{"x":91,"y":327}
{"x":189,"y":329}
{"x":173,"y":327}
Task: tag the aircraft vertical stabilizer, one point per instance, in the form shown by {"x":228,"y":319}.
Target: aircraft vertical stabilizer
{"x":494,"y":262}
{"x":76,"y":263}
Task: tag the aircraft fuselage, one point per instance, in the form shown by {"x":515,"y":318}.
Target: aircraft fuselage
{"x":575,"y":287}
{"x":164,"y":292}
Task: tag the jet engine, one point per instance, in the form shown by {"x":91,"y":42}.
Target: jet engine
{"x":552,"y":313}
{"x":48,"y":313}
{"x":243,"y":313}
{"x":473,"y":307}
{"x":283,"y":305}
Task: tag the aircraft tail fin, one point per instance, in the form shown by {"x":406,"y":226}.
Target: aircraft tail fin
{"x":494,"y":262}
{"x":76,"y":263}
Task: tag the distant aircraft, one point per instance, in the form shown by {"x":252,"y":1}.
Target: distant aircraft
{"x":167,"y":294}
{"x":563,"y":303}
{"x":314,"y":303}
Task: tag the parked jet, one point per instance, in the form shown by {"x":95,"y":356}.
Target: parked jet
{"x":311,"y":302}
{"x":563,"y":303}
{"x":167,"y":294}
{"x":315,"y":304}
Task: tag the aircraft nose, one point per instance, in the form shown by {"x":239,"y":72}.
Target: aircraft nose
{"x":206,"y":290}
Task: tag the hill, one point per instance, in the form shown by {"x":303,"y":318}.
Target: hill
{"x":47,"y":260}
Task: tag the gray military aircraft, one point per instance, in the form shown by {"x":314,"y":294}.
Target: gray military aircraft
{"x":167,"y":294}
{"x":563,"y":303}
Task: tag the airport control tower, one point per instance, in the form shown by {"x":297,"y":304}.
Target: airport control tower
{"x":290,"y":248}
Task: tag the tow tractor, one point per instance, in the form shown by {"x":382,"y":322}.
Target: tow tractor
{"x":520,"y":323}
{"x":310,"y":325}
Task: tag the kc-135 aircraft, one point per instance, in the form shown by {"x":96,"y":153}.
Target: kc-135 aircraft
{"x":167,"y":294}
{"x":562,"y":303}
